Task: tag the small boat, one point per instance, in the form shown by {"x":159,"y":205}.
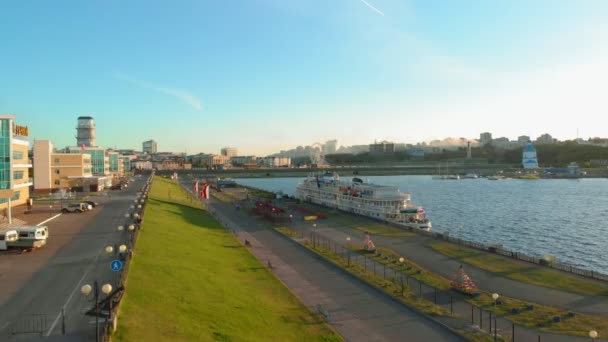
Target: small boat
{"x":471,"y":176}
{"x":496,"y":177}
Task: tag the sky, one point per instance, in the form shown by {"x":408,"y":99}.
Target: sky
{"x":268,"y":75}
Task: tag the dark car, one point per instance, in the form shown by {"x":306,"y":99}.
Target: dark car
{"x":92,"y":203}
{"x":116,"y":187}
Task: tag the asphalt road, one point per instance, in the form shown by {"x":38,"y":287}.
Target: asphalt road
{"x":360,"y":312}
{"x":36,"y":286}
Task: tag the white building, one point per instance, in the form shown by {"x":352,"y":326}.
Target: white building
{"x":144,"y":165}
{"x":545,"y":139}
{"x":229,"y":152}
{"x":330,"y":147}
{"x":485,"y":138}
{"x":276,"y":162}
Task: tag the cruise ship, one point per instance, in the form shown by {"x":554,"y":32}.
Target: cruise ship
{"x":385,"y":203}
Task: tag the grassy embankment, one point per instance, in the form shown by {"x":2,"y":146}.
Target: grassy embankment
{"x":191,"y":280}
{"x":531,"y":274}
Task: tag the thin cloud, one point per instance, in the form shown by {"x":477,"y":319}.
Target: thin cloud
{"x":182,"y":95}
{"x":372,"y":7}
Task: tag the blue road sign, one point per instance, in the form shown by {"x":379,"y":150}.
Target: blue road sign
{"x":116,"y":265}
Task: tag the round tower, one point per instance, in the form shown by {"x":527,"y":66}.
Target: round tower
{"x":85,"y":131}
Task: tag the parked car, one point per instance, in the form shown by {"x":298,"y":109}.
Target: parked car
{"x":74,"y":208}
{"x":116,"y":187}
{"x":92,"y":203}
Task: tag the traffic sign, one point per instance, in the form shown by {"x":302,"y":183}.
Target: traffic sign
{"x":116,"y":265}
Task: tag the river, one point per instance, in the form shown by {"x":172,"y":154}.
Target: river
{"x":566,"y":218}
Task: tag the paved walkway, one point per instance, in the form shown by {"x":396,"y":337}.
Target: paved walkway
{"x":415,"y":249}
{"x":358,"y":312}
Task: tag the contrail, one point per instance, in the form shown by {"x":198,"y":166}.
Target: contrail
{"x":182,"y":95}
{"x":372,"y":7}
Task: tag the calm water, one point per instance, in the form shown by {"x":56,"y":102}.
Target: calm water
{"x":564,"y":218}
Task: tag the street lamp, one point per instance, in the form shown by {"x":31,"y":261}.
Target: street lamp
{"x":495,"y":297}
{"x":122,"y":248}
{"x":121,"y":228}
{"x":593,"y":334}
{"x":314,"y":225}
{"x":401,"y":260}
{"x":86,"y":290}
{"x":127,"y":215}
{"x":109,"y":249}
{"x":348,"y":249}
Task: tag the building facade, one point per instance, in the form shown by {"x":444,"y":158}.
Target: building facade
{"x":229,"y":152}
{"x":545,"y":139}
{"x":243,"y":160}
{"x":384,"y":147}
{"x":330,"y":147}
{"x":276,"y":162}
{"x":99,"y":161}
{"x":150,"y":147}
{"x":485,"y":138}
{"x":63,"y":171}
{"x":15,"y":181}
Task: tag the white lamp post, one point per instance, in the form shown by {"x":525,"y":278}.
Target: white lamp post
{"x":122,"y":248}
{"x":593,"y":334}
{"x":121,"y":228}
{"x":86,"y":290}
{"x":131,"y":227}
{"x":495,"y":297}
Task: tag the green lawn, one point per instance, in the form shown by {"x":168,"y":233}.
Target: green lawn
{"x":521,"y":272}
{"x":190,"y":280}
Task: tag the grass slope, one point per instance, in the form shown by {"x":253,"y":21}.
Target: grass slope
{"x":190,"y":280}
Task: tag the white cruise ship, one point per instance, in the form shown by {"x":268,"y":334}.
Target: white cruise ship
{"x":385,"y":203}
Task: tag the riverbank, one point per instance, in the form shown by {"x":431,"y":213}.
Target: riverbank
{"x":194,"y":281}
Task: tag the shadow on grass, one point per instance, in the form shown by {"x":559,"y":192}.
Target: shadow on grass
{"x":194,"y":215}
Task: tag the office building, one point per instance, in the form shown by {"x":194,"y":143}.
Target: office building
{"x":14,"y":164}
{"x":384,"y":147}
{"x":149,"y":147}
{"x":485,"y":139}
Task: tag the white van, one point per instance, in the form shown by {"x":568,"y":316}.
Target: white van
{"x":7,"y":236}
{"x":30,"y":237}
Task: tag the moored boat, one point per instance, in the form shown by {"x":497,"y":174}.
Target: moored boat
{"x":379,"y":202}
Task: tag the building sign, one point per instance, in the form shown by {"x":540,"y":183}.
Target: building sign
{"x":21,"y":130}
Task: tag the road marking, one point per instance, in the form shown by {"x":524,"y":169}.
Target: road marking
{"x":45,"y":221}
{"x":48,"y":333}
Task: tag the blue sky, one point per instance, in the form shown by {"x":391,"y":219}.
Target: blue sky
{"x":266,"y":75}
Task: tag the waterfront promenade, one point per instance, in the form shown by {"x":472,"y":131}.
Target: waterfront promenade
{"x":358,"y":312}
{"x":416,"y":250}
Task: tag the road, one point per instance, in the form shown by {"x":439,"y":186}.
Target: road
{"x":39,"y":284}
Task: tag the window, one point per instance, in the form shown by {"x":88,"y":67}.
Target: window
{"x":56,"y":160}
{"x":56,"y":171}
{"x":57,"y":182}
{"x":17,"y":155}
{"x":18,"y":175}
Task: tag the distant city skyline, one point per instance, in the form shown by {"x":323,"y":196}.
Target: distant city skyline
{"x":269,"y":75}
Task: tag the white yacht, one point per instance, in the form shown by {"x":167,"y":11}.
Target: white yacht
{"x":385,"y":203}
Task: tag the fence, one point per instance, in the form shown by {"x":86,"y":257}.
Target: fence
{"x":478,"y":318}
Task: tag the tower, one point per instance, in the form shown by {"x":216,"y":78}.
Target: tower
{"x":529,"y":160}
{"x":85,"y":131}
